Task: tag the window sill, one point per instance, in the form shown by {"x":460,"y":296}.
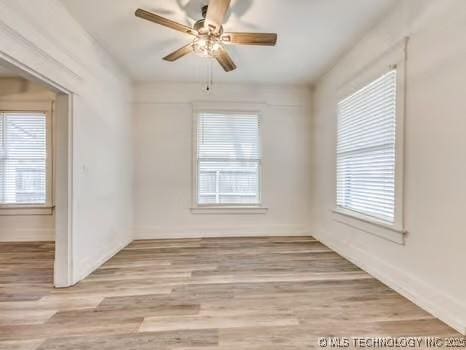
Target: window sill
{"x":369,"y":225}
{"x":15,"y":210}
{"x":229,"y":210}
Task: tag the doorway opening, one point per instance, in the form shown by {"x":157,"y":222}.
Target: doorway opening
{"x":35,"y":182}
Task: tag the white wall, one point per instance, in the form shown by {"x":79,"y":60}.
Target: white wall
{"x":16,"y":228}
{"x":164,"y":151}
{"x":22,"y":95}
{"x":429,"y":268}
{"x":42,"y":36}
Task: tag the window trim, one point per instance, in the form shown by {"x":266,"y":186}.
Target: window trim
{"x":28,"y":107}
{"x":226,"y":108}
{"x":394,"y":58}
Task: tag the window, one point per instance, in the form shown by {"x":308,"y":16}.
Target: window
{"x":366,"y":149}
{"x":228,"y":164}
{"x":23,"y":159}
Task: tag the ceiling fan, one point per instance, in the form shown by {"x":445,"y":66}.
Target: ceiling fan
{"x":209,"y":39}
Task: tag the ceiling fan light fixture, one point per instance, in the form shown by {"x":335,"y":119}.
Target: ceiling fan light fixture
{"x":207,"y":46}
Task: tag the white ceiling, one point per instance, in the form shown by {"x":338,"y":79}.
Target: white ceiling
{"x":311,"y":35}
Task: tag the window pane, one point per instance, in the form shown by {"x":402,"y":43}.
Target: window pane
{"x":366,"y":149}
{"x":228,"y":182}
{"x":23,"y":159}
{"x":207,"y":199}
{"x":207,"y":181}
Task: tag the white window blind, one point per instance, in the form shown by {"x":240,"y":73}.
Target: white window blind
{"x":228,"y":159}
{"x":366,"y":149}
{"x":23,"y":158}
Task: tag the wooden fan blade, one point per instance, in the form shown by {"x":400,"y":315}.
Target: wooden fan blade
{"x":223,"y":57}
{"x":216,"y":14}
{"x":149,"y":16}
{"x":179,"y":53}
{"x":263,"y":39}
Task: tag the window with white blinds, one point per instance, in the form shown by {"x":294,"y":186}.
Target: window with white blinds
{"x":228,"y":159}
{"x":366,"y":149}
{"x":23,"y":158}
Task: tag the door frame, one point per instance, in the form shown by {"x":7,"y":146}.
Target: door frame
{"x":64,"y":271}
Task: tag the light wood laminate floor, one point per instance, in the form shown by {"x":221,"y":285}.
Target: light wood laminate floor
{"x":226,"y":293}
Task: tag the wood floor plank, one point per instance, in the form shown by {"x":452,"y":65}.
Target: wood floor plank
{"x":21,"y":345}
{"x":14,"y":317}
{"x":224,"y":319}
{"x":267,"y":293}
{"x":137,"y":341}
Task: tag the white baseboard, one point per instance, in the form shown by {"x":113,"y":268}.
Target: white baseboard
{"x":205,"y":232}
{"x":90,"y":265}
{"x":426,"y":296}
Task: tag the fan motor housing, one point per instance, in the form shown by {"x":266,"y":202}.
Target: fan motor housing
{"x":199,"y":26}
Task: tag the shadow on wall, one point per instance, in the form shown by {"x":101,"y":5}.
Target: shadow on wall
{"x":16,"y":86}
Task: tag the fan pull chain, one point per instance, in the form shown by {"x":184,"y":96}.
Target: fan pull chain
{"x":210,"y":77}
